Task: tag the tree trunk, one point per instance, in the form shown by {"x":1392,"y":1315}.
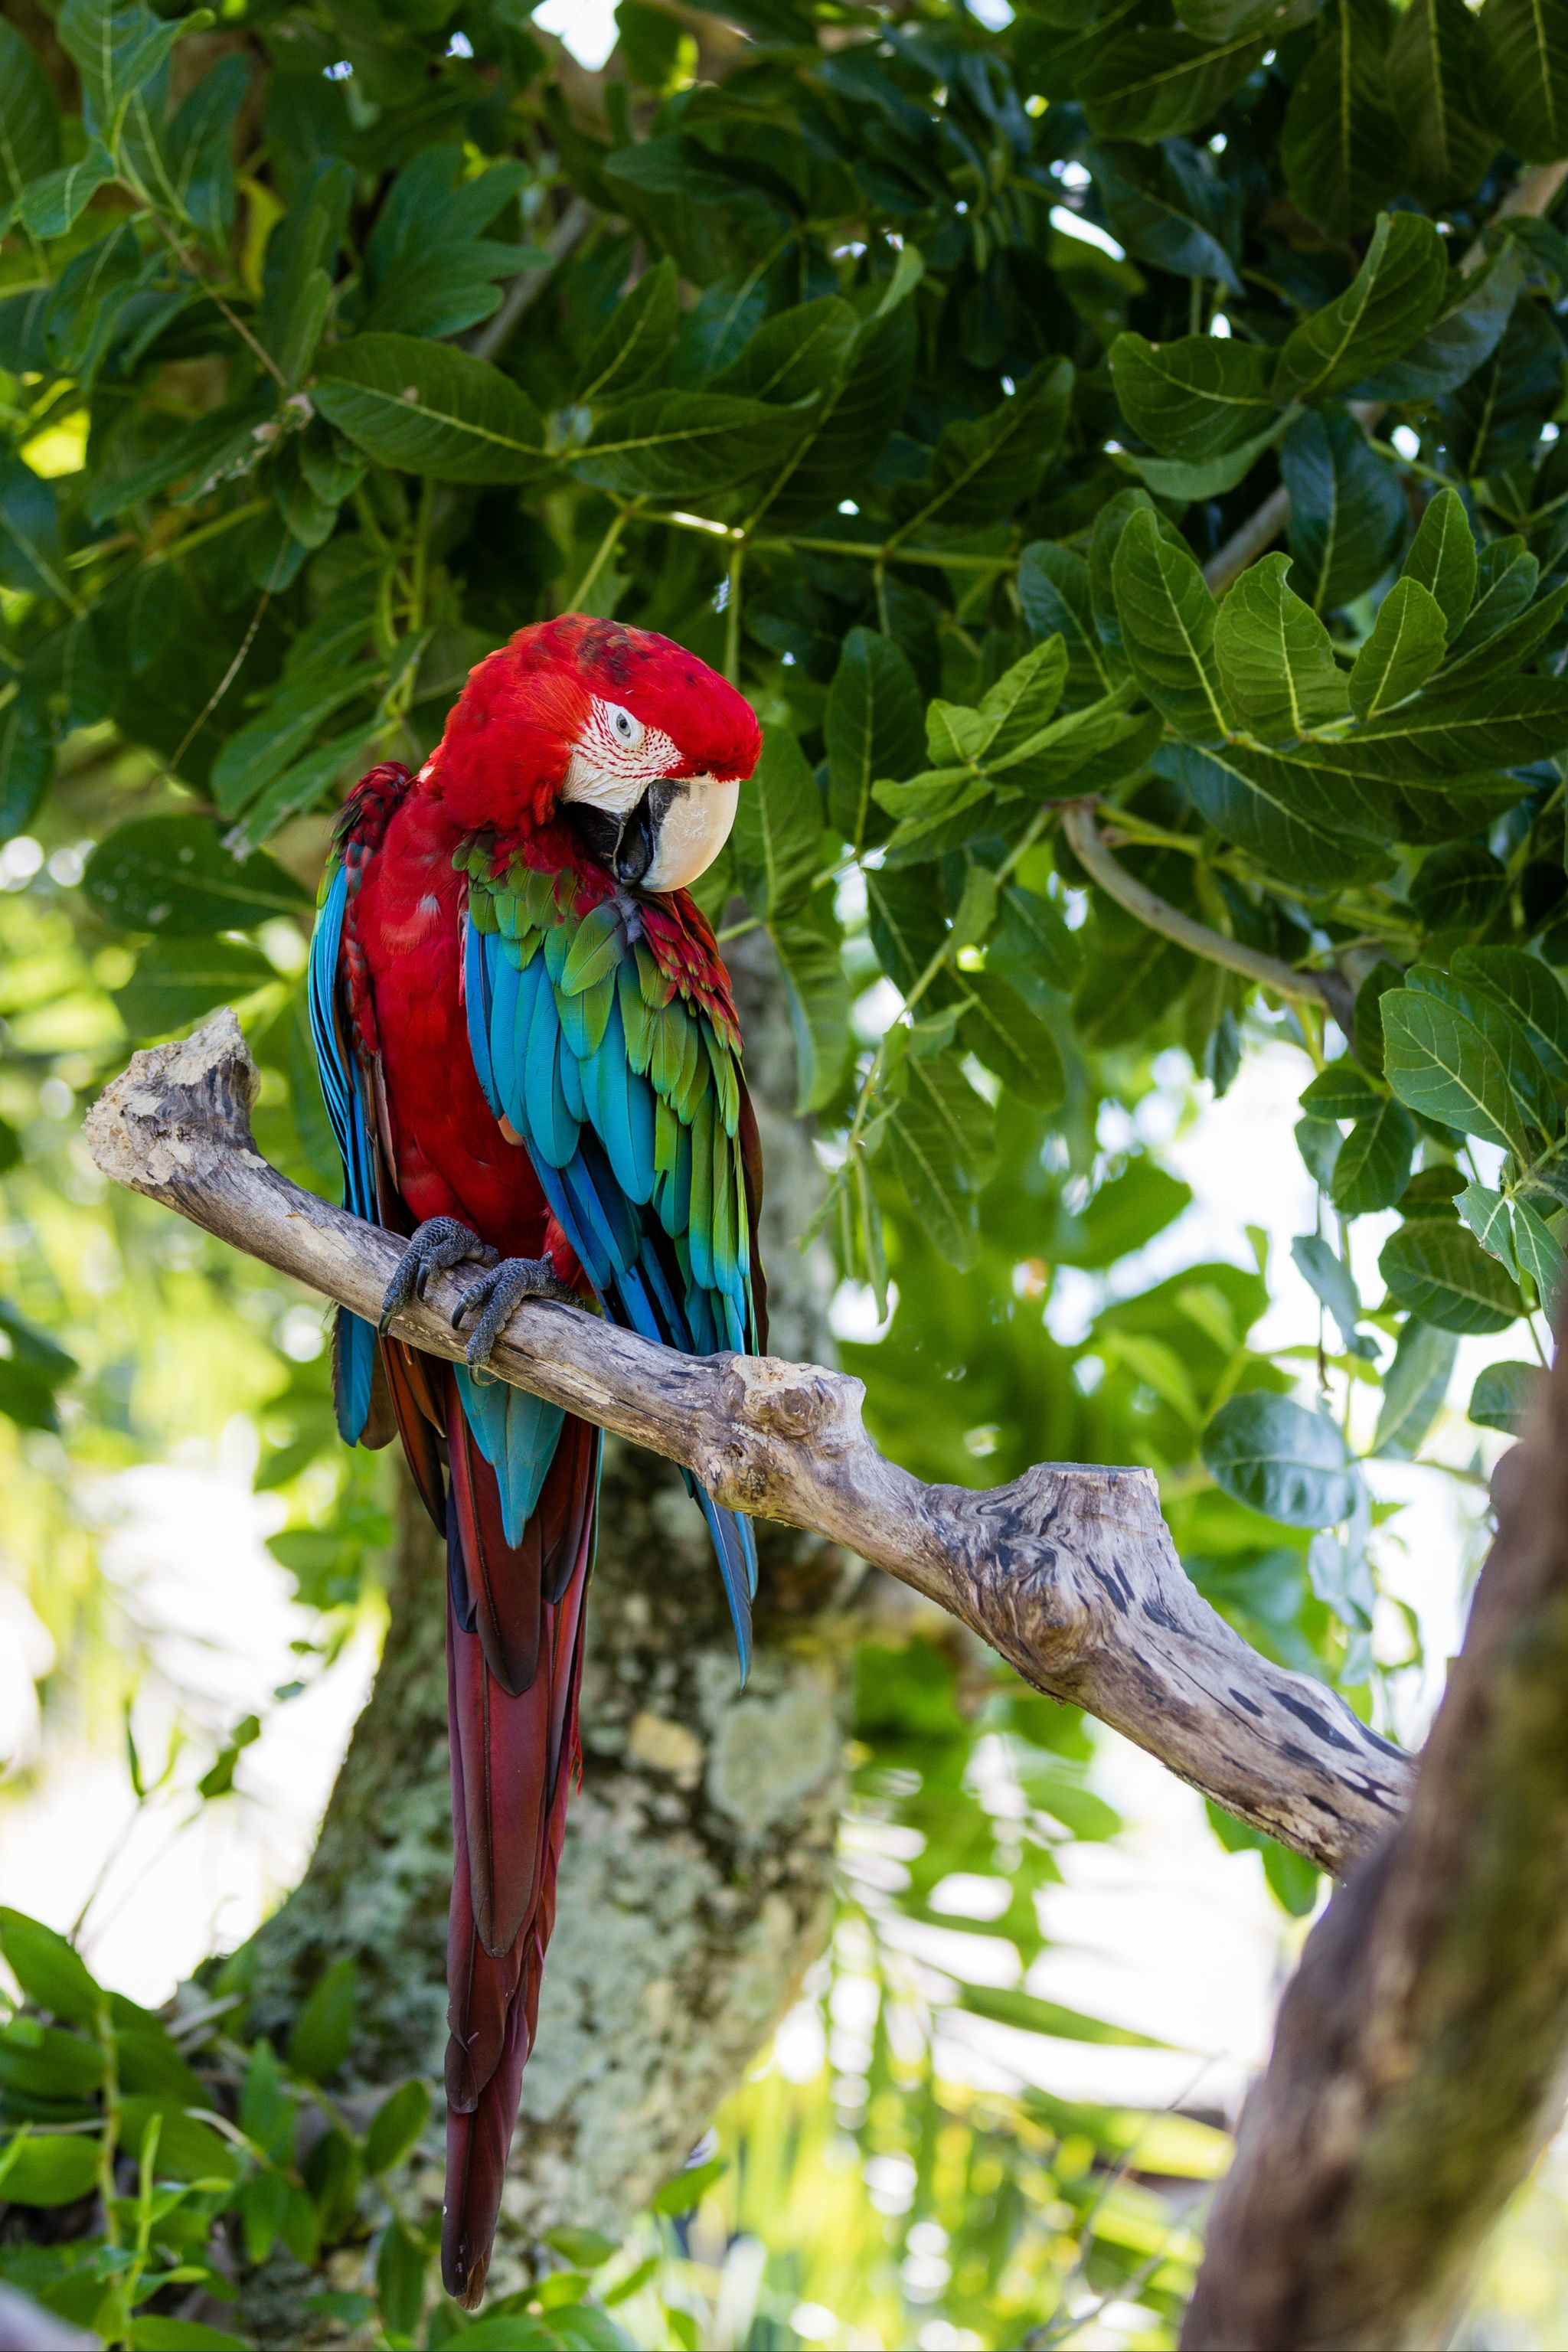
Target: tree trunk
{"x":695,"y":1888}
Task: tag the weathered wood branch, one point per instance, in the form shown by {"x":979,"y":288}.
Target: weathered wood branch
{"x":1422,"y":2050}
{"x":1069,"y":1571}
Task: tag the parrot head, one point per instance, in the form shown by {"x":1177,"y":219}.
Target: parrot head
{"x":638,"y":745}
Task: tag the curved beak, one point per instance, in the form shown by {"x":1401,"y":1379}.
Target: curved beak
{"x":673,"y":833}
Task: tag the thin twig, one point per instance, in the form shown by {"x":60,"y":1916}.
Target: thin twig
{"x":1310,"y":987}
{"x":529,"y":284}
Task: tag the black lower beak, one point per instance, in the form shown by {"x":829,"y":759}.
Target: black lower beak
{"x":639,"y":839}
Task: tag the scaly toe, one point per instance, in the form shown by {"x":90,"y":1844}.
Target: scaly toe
{"x":496,"y":1293}
{"x":439,"y":1244}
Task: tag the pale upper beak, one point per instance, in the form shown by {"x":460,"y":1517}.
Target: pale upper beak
{"x":658,"y":836}
{"x":696,"y":824}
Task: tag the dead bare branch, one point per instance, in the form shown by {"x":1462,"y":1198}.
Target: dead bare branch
{"x":1069,"y":1572}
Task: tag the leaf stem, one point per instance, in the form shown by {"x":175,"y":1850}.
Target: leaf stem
{"x":732,"y":613}
{"x":606,"y":548}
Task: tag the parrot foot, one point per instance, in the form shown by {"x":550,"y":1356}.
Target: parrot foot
{"x":433,"y":1248}
{"x":506,"y":1286}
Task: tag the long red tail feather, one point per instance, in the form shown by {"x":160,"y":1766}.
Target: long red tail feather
{"x":515,"y":1755}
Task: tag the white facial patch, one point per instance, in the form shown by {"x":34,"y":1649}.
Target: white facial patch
{"x":616,"y":758}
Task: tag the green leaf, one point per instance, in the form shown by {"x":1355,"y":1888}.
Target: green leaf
{"x":1167,"y":618}
{"x":984,"y":467}
{"x":1466,"y":1071}
{"x":219,"y":1779}
{"x":400,"y":2267}
{"x":1442,"y":558}
{"x":52,"y":1974}
{"x":685,"y":2192}
{"x":54,"y":2171}
{"x":1373,"y":1163}
{"x":1403,"y":650}
{"x":778,"y":839}
{"x":1539,"y":1253}
{"x":1000,"y":1031}
{"x":302,"y":785}
{"x":1393,"y":297}
{"x":324,"y":2027}
{"x":1466,"y":332}
{"x":1125,"y":1213}
{"x":259,"y":751}
{"x":29,"y":124}
{"x":1281,"y":1460}
{"x":1413,"y":1389}
{"x":428,"y":268}
{"x":796,"y":357}
{"x":1297,"y":816}
{"x":1174,"y":478}
{"x":586,"y":2250}
{"x":1513,"y":646}
{"x":1507,"y":578}
{"x":1340,"y":1092}
{"x":27,"y":761}
{"x":1033,"y":949}
{"x":1458,"y":730}
{"x":634,"y":340}
{"x":1504,"y":1397}
{"x":1275,"y":658}
{"x":30,"y":553}
{"x":1525,"y":75}
{"x":673,"y":445}
{"x":428,"y":408}
{"x":1493,"y":420}
{"x":1153,"y":223}
{"x":1153,"y":84}
{"x":84,"y":311}
{"x":1331,"y":1278}
{"x":1486,"y":1213}
{"x":872,"y":731}
{"x":1340,"y":146}
{"x":1440,"y":1271}
{"x":173,"y":875}
{"x":1054,"y":593}
{"x":817,"y":993}
{"x":1348,"y":511}
{"x":117,"y":46}
{"x":906,"y":917}
{"x":845,"y":433}
{"x":1436,"y":83}
{"x":1528,"y":990}
{"x":298,"y":277}
{"x":939,"y":1142}
{"x":54,"y":204}
{"x":1195,"y":398}
{"x":220,"y":447}
{"x":199,"y":149}
{"x":395,"y":2126}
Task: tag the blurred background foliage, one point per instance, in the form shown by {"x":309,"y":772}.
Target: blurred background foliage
{"x":906,"y":363}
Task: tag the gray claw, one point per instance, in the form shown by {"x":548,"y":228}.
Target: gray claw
{"x":437,"y":1244}
{"x":505,"y":1287}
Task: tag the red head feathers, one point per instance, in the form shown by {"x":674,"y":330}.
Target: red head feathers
{"x":636,"y":742}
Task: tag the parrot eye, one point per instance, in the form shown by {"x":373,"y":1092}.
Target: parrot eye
{"x":623,"y":727}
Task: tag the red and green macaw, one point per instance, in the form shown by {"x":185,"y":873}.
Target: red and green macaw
{"x":531,"y":1057}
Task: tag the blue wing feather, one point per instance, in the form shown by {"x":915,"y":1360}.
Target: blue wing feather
{"x":356,"y":1344}
{"x":673,"y":1273}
